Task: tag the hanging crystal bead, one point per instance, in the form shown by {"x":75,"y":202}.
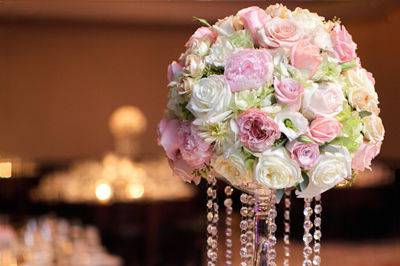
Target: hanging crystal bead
{"x":317,"y":231}
{"x":244,"y":236}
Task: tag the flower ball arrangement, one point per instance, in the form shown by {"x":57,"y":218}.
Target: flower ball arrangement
{"x":271,"y":99}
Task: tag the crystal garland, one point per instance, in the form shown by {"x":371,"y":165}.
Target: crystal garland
{"x":307,"y":237}
{"x":245,"y":256}
{"x":272,"y":213}
{"x":228,"y":223}
{"x":250,"y":228}
{"x":317,"y":230}
{"x":286,"y":223}
{"x":212,"y":222}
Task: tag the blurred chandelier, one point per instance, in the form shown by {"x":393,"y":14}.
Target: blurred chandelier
{"x":117,"y":177}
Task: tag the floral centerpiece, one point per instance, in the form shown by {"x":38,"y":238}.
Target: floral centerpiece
{"x":270,"y":101}
{"x":272,"y":98}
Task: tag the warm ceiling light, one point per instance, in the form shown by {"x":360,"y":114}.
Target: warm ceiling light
{"x":103,"y":192}
{"x":5,"y":169}
{"x":136,"y":191}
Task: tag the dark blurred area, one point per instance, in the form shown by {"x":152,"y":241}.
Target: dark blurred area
{"x":66,"y":66}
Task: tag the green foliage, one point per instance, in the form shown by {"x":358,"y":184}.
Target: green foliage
{"x":351,"y":136}
{"x":212,"y":70}
{"x":185,"y":113}
{"x":281,"y":141}
{"x":202,"y":21}
{"x":241,"y":39}
{"x":203,"y":172}
{"x":329,"y":70}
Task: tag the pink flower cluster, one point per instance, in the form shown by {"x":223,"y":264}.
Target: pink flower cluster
{"x":185,"y":149}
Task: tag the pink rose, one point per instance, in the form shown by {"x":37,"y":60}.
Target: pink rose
{"x":305,"y":154}
{"x":343,"y":45}
{"x":289,"y":92}
{"x":306,"y":56}
{"x":257,"y":131}
{"x":168,"y":137}
{"x":254,"y":19}
{"x":202,"y":33}
{"x":280,"y":32}
{"x":324,"y":129}
{"x":248,"y":69}
{"x":194,"y":150}
{"x":181,"y":169}
{"x":174,"y":71}
{"x":364,"y":155}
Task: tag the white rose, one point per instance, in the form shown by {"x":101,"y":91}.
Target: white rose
{"x":210,"y":99}
{"x":276,"y":170}
{"x":333,"y":166}
{"x":373,"y":128}
{"x":220,"y":51}
{"x":360,"y":91}
{"x":232,"y":168}
{"x":292,"y":124}
{"x":306,"y":20}
{"x":194,"y":66}
{"x":322,"y":38}
{"x":225,"y":26}
{"x":325,"y":99}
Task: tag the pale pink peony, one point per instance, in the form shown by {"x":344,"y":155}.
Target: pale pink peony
{"x":365,"y":154}
{"x":181,"y":169}
{"x":324,"y":129}
{"x":254,"y":19}
{"x":194,"y":150}
{"x":202,"y":34}
{"x":248,"y":69}
{"x":257,"y":131}
{"x":343,"y":45}
{"x":305,"y":154}
{"x":168,"y":137}
{"x":306,"y":56}
{"x":280,"y":33}
{"x":174,"y":71}
{"x":289,"y":92}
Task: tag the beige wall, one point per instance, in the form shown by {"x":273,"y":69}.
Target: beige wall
{"x":60,"y":81}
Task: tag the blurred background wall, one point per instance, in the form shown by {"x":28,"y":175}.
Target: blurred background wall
{"x":65,"y":67}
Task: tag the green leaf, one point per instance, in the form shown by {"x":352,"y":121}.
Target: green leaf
{"x":364,"y":114}
{"x":306,"y":181}
{"x":281,"y":141}
{"x":202,"y":21}
{"x":305,"y":139}
{"x":348,"y":65}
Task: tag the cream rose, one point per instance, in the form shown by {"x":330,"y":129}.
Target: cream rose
{"x":276,"y":170}
{"x":232,"y":168}
{"x":210,"y":97}
{"x":333,"y":165}
{"x":324,"y":99}
{"x":307,"y":21}
{"x":360,"y":90}
{"x":194,"y":66}
{"x":373,"y":128}
{"x":292,"y":124}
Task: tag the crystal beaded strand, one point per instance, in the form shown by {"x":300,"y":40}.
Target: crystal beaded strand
{"x":307,"y":237}
{"x":212,"y":222}
{"x":272,"y":213}
{"x":250,"y":229}
{"x":228,"y":223}
{"x":286,"y":222}
{"x":317,"y":230}
{"x":243,"y":230}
